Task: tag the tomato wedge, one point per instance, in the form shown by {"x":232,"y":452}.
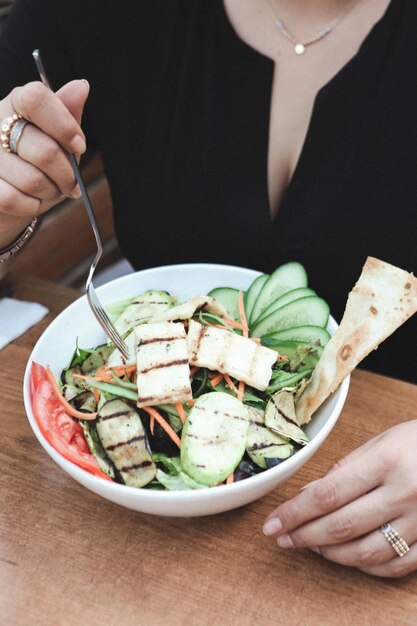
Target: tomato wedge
{"x":60,"y":430}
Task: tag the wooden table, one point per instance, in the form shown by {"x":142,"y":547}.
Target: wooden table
{"x":67,"y":557}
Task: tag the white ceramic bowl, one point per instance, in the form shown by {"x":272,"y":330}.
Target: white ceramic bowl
{"x":56,"y":346}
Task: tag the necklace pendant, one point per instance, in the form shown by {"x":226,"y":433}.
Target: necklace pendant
{"x":299,"y":48}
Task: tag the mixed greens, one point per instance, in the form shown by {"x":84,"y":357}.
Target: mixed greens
{"x":208,"y":393}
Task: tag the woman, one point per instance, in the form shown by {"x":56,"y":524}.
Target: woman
{"x":232,"y":139}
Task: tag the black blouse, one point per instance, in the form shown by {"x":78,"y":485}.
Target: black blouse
{"x":179,"y":109}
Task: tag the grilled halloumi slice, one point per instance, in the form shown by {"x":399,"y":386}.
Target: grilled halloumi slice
{"x":123,"y":437}
{"x":186,"y":310}
{"x":229,"y":353}
{"x":163,"y":373}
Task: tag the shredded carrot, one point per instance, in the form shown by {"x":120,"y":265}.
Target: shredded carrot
{"x":216,"y":380}
{"x":230,"y":479}
{"x":242,"y":315}
{"x":67,"y":406}
{"x":255,"y":339}
{"x":122,"y":369}
{"x":101,"y":371}
{"x":96,"y":393}
{"x":232,"y":323}
{"x":221,"y":326}
{"x":163,"y":423}
{"x":194,"y":370}
{"x":191,"y":402}
{"x":181,"y":412}
{"x":241,"y":390}
{"x":230,"y":383}
{"x":152,"y":424}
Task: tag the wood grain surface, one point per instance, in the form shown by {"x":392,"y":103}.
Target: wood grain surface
{"x":68,"y":557}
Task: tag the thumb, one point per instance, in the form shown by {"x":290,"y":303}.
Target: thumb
{"x":74,"y":95}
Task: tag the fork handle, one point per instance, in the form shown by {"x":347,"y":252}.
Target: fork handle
{"x":74,"y":164}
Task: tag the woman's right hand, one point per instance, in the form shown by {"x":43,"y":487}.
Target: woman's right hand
{"x":40,"y":175}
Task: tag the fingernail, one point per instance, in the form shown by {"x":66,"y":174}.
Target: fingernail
{"x":285,"y":541}
{"x":272,"y":526}
{"x":75,"y":193}
{"x":77,"y":144}
{"x":87,"y":84}
{"x":315,"y":549}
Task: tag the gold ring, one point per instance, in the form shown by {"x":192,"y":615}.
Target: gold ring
{"x":395,"y":540}
{"x":6,"y":127}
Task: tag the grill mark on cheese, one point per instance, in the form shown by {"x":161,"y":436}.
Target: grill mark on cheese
{"x":199,"y":339}
{"x":145,"y":342}
{"x":102,"y":418}
{"x":162,"y":365}
{"x":176,"y":392}
{"x":129,"y":468}
{"x":125,"y":443}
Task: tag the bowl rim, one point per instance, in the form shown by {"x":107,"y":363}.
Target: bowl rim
{"x":84,"y":476}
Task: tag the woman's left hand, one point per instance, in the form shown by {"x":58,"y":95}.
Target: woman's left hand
{"x":339,"y":515}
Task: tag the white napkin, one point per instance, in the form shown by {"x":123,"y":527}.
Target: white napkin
{"x":16,"y":317}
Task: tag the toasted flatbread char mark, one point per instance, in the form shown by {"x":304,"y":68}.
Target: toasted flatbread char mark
{"x":123,"y":438}
{"x":383,"y":298}
{"x":226,"y":352}
{"x":186,"y":310}
{"x":163,"y":373}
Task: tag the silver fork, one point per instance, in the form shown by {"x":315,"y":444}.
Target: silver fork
{"x":95,"y":304}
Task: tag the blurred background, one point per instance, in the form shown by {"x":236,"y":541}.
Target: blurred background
{"x":62,"y":248}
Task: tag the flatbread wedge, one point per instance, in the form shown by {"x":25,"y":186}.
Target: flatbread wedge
{"x":383,"y":298}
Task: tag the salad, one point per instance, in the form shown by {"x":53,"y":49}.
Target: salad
{"x":208,"y":394}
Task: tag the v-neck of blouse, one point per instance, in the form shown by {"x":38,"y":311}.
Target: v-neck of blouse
{"x":325,"y":92}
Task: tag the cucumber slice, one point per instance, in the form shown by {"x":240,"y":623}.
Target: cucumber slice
{"x":284,"y":278}
{"x":310,"y":334}
{"x":214,"y":437}
{"x":252,"y":294}
{"x":228,"y":297}
{"x":301,"y":312}
{"x":294,"y":294}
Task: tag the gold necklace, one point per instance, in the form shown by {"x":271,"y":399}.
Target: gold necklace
{"x":300,"y":46}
